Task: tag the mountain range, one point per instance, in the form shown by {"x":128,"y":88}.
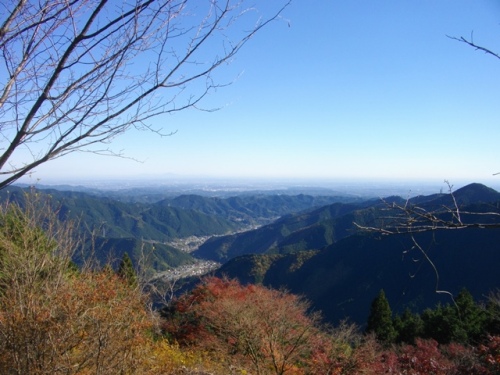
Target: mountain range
{"x":309,"y":244}
{"x":415,"y":271}
{"x":114,"y":225}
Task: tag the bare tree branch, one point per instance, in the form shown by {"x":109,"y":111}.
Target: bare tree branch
{"x":75,"y":74}
{"x":411,"y":218}
{"x":470,"y":42}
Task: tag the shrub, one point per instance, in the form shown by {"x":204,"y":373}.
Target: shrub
{"x":53,"y":319}
{"x":268,"y":329}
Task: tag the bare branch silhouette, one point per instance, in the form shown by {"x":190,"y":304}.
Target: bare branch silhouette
{"x":76,"y":74}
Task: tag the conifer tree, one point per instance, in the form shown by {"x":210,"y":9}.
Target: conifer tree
{"x":380,"y":320}
{"x":472,"y":317}
{"x":463,"y":322}
{"x":441,"y":324}
{"x":409,"y":327}
{"x":126,"y":270}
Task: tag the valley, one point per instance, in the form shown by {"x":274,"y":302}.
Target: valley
{"x":196,"y":269}
{"x":312,"y":245}
{"x":192,"y":243}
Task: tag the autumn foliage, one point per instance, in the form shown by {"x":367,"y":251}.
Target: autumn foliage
{"x":268,"y":329}
{"x":54,"y":319}
{"x":271,"y":332}
{"x":57,"y":319}
{"x":265,"y":331}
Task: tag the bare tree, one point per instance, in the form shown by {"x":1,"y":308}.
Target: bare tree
{"x":411,"y":218}
{"x":55,"y":319}
{"x":470,"y":42}
{"x":74,"y":74}
{"x":448,"y":213}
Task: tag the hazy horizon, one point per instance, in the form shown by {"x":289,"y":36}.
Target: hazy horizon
{"x":359,"y":186}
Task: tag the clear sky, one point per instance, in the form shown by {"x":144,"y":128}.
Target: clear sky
{"x":352,"y":89}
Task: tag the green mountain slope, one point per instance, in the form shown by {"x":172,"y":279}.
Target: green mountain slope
{"x":127,"y":225}
{"x":343,"y":278}
{"x":308,"y":230}
{"x":110,"y":218}
{"x":135,"y":228}
{"x":317,"y":228}
{"x":156,"y":256}
{"x":254,"y":209}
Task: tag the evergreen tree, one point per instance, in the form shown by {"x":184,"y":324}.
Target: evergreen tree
{"x":408,"y":326}
{"x":492,"y":311}
{"x":441,"y":324}
{"x":462,"y":322}
{"x":126,"y":270}
{"x":472,"y":317}
{"x":380,"y":320}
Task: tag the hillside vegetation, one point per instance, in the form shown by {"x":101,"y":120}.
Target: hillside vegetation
{"x":342,"y":272}
{"x":56,"y":318}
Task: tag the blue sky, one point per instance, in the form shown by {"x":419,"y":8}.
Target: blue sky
{"x":358,"y":89}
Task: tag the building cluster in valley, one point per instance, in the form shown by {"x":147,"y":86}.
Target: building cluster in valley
{"x":199,"y":268}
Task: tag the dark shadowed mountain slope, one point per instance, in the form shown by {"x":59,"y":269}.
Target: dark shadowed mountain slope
{"x":476,"y":193}
{"x":342,"y":279}
{"x":312,"y":229}
{"x":268,"y":269}
{"x":469,"y":194}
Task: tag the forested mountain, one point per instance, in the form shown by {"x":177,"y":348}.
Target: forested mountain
{"x":312,"y":229}
{"x":342,"y":278}
{"x":255,"y":209}
{"x":110,"y":228}
{"x":129,"y":226}
{"x":156,"y":255}
{"x":314,"y":247}
{"x":110,"y":218}
{"x":315,"y":229}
